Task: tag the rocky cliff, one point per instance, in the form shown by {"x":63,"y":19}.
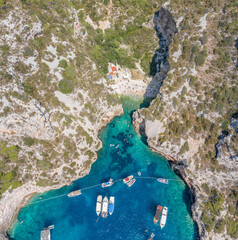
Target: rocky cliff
{"x":165,"y":27}
{"x":55,"y":94}
{"x":192,"y":120}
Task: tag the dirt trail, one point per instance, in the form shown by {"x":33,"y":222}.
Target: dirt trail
{"x":105,"y":24}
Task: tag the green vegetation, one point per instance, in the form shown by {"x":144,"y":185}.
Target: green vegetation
{"x":8,"y":177}
{"x":232,"y":228}
{"x":220,"y":226}
{"x":9,"y":153}
{"x":44,"y":165}
{"x":184,"y":148}
{"x":201,"y":58}
{"x":66,"y":86}
{"x":209,"y":221}
{"x":28,"y":141}
{"x":28,"y":89}
{"x":215,"y":204}
{"x":62,"y":63}
{"x":2,"y":3}
{"x":70,"y":73}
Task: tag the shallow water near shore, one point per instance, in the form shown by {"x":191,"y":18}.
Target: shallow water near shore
{"x":75,"y":218}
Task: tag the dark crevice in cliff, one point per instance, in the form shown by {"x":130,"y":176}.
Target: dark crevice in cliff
{"x":165,"y":27}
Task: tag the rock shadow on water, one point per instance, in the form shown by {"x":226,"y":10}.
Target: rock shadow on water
{"x":189,"y":200}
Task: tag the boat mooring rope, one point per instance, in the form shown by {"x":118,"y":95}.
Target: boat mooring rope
{"x":93,"y":186}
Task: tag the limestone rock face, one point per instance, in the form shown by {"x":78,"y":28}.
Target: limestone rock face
{"x":2,"y":237}
{"x":109,"y":115}
{"x":165,"y":24}
{"x":35,"y":31}
{"x":139,"y":123}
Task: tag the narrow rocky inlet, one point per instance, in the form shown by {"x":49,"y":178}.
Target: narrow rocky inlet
{"x":78,"y":77}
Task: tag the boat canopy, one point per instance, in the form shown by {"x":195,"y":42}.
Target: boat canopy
{"x":111,"y":207}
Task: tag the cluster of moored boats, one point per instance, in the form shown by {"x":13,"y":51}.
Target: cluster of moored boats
{"x":129,"y":181}
{"x":104,"y":206}
{"x":161,"y":213}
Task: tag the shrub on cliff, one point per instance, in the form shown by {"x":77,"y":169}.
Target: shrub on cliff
{"x":184,"y":148}
{"x":66,"y":86}
{"x":63,"y":63}
{"x":209,"y":221}
{"x":201,"y":58}
{"x":10,"y":153}
{"x":28,"y":141}
{"x":232,"y":228}
{"x":219,"y":228}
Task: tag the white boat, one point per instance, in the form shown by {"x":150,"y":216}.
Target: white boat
{"x":163,"y":217}
{"x":99,"y":204}
{"x":130,"y":183}
{"x":74,"y":193}
{"x":111,"y":205}
{"x":108,"y":184}
{"x":105,"y":207}
{"x":152,"y":236}
{"x":112,"y":145}
{"x":163,"y":180}
{"x":127,"y":179}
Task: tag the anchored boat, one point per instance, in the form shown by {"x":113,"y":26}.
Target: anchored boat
{"x":127,"y":179}
{"x":111,"y":205}
{"x":163,"y":180}
{"x":151,"y":236}
{"x":74,"y":193}
{"x":163,"y":217}
{"x":130,"y":183}
{"x":157,"y":213}
{"x":105,"y":207}
{"x":108,"y":184}
{"x":99,"y":204}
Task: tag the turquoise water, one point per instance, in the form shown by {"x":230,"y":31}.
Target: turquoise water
{"x":75,"y":218}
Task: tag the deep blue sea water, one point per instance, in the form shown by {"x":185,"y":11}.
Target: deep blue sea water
{"x":75,"y":218}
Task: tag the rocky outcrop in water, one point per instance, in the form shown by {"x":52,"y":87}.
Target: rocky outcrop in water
{"x":109,"y":115}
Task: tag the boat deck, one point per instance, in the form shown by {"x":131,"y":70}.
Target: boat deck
{"x":45,"y":234}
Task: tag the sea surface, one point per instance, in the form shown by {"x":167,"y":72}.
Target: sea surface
{"x":123,"y":153}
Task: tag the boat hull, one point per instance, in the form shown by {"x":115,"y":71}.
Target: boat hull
{"x":130,"y":183}
{"x":99,"y":205}
{"x":127,"y":179}
{"x":105,"y":207}
{"x":163,"y":217}
{"x":74,"y":193}
{"x":157,"y":214}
